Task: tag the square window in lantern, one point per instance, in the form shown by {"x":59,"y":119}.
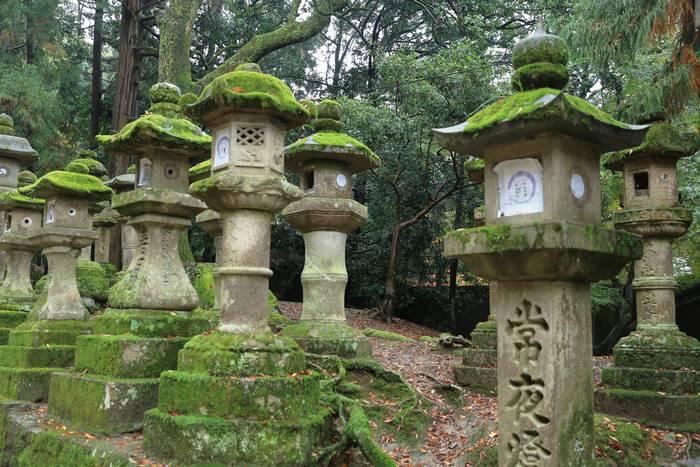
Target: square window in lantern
{"x":641,"y":183}
{"x":308,"y":180}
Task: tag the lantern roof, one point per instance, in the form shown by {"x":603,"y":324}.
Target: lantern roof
{"x":74,"y":184}
{"x":14,"y":147}
{"x":662,"y":141}
{"x":330,"y":143}
{"x":248,"y":90}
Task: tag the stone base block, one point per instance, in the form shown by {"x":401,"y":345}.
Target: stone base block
{"x":222,"y":354}
{"x":41,"y":333}
{"x":101,"y":404}
{"x":253,"y":398}
{"x":480,"y":379}
{"x":210,"y":440}
{"x":484,"y":335}
{"x":658,"y":348}
{"x":50,"y":356}
{"x":4,"y":335}
{"x":480,"y":357}
{"x":330,"y":339}
{"x":127,"y":356}
{"x":12,"y":319}
{"x":677,"y":412}
{"x":668,"y":381}
{"x":26,"y":384}
{"x":150,"y":323}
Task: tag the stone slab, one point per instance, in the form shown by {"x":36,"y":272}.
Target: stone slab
{"x":479,"y":379}
{"x":329,"y":339}
{"x":210,"y":440}
{"x":668,"y":381}
{"x":651,"y":408}
{"x":54,"y":356}
{"x":101,"y":404}
{"x":27,"y":384}
{"x":11,"y":319}
{"x":480,"y":357}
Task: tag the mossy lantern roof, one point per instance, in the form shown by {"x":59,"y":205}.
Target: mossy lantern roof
{"x":14,"y":147}
{"x":123,"y":182}
{"x":330,"y":143}
{"x":539,"y":106}
{"x":248,"y":90}
{"x":73,"y":184}
{"x":200,"y":171}
{"x":662,"y":141}
{"x":162,"y":127}
{"x":14,"y":199}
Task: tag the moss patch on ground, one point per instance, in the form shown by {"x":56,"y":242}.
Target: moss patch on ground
{"x":391,"y":336}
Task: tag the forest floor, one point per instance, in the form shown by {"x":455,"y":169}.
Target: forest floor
{"x":461,"y":427}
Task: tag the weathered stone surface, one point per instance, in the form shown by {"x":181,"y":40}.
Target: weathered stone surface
{"x":677,"y":412}
{"x":477,"y":378}
{"x":329,"y":338}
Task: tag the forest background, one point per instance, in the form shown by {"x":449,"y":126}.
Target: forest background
{"x":71,"y":69}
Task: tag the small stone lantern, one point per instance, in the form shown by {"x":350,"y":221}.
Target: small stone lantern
{"x":22,"y":213}
{"x":129,"y":237}
{"x":544,"y":245}
{"x":15,"y":153}
{"x":150,"y":317}
{"x":326,"y":162}
{"x":45,"y":343}
{"x":656,"y":375}
{"x":248,"y":112}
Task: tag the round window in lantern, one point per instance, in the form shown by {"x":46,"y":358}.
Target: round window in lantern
{"x":72,"y":212}
{"x":171,"y":172}
{"x":27,"y":221}
{"x":3,"y":171}
{"x":341,"y":180}
{"x":578,"y":186}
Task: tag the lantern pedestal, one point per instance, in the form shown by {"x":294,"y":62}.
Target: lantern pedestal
{"x":478,"y":369}
{"x":542,"y":307}
{"x":17,"y":288}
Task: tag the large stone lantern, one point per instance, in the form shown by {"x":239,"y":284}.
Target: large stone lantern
{"x":22,"y":213}
{"x":45,"y":343}
{"x":238,"y":397}
{"x":326,"y":161}
{"x":149,"y":319}
{"x":656,"y":375}
{"x":15,"y":153}
{"x":544,"y":245}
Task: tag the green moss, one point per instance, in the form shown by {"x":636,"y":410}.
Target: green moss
{"x":47,"y":448}
{"x":25,"y":177}
{"x":77,"y":168}
{"x":60,"y":182}
{"x":549,"y":48}
{"x":164,"y":92}
{"x":429,"y":340}
{"x":204,"y":284}
{"x":91,"y":279}
{"x":198,"y":170}
{"x":131,"y":169}
{"x":539,"y":75}
{"x":150,"y":323}
{"x":483,"y":456}
{"x":652,"y":379}
{"x":662,"y":348}
{"x":474,"y":163}
{"x":310,"y":106}
{"x":249,"y":90}
{"x":13,"y":198}
{"x":160,"y":130}
{"x":329,"y":141}
{"x":50,"y":356}
{"x":620,"y":443}
{"x":660,"y":139}
{"x":272,"y":303}
{"x":95,"y":167}
{"x":387,"y":335}
{"x":359,"y":430}
{"x":535,"y":105}
{"x":329,"y":339}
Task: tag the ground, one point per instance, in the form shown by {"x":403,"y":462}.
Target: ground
{"x":463,"y":424}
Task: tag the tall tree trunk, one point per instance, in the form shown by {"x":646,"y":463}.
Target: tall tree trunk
{"x":175,"y":24}
{"x":29,"y":48}
{"x":96,"y":94}
{"x":130,"y":40}
{"x":390,"y":286}
{"x":459,"y":222}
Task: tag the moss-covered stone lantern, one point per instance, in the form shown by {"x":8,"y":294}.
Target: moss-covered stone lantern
{"x":149,"y":319}
{"x":544,"y":245}
{"x":15,"y":153}
{"x":237,"y":397}
{"x":22,"y":213}
{"x":326,"y":161}
{"x":45,"y":343}
{"x":656,"y":375}
{"x":129,"y":237}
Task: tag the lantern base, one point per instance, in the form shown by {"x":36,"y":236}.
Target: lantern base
{"x":478,"y":369}
{"x":329,"y":338}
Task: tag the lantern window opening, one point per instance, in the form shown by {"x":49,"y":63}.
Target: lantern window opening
{"x":8,"y":222}
{"x":250,"y":136}
{"x":308,"y":179}
{"x":641,"y":184}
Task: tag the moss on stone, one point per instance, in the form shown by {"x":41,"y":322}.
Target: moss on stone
{"x":245,"y":90}
{"x":330,"y":141}
{"x":49,"y":356}
{"x":68,"y":183}
{"x":95,"y":167}
{"x":386,"y":335}
{"x":92,"y":280}
{"x":661,"y":139}
{"x":538,"y":75}
{"x":150,"y":323}
{"x":658,"y":348}
{"x":669,"y":381}
{"x":25,"y":177}
{"x":538,"y":104}
{"x":540,"y":47}
{"x":329,"y":339}
{"x":620,"y":443}
{"x":204,"y":284}
{"x":11,"y":199}
{"x":432,"y":340}
{"x":201,"y":169}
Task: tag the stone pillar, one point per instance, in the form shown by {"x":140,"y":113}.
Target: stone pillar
{"x":656,"y":374}
{"x":63,"y":298}
{"x":210,"y":222}
{"x":130,"y":242}
{"x":543,"y":243}
{"x":324,"y":277}
{"x":17,"y":286}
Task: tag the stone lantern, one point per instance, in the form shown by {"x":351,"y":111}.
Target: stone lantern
{"x":22,"y":213}
{"x":45,"y":343}
{"x":274,"y":416}
{"x":656,"y":375}
{"x":15,"y":153}
{"x":149,"y":319}
{"x":544,"y":245}
{"x":326,"y":162}
{"x":129,"y":238}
